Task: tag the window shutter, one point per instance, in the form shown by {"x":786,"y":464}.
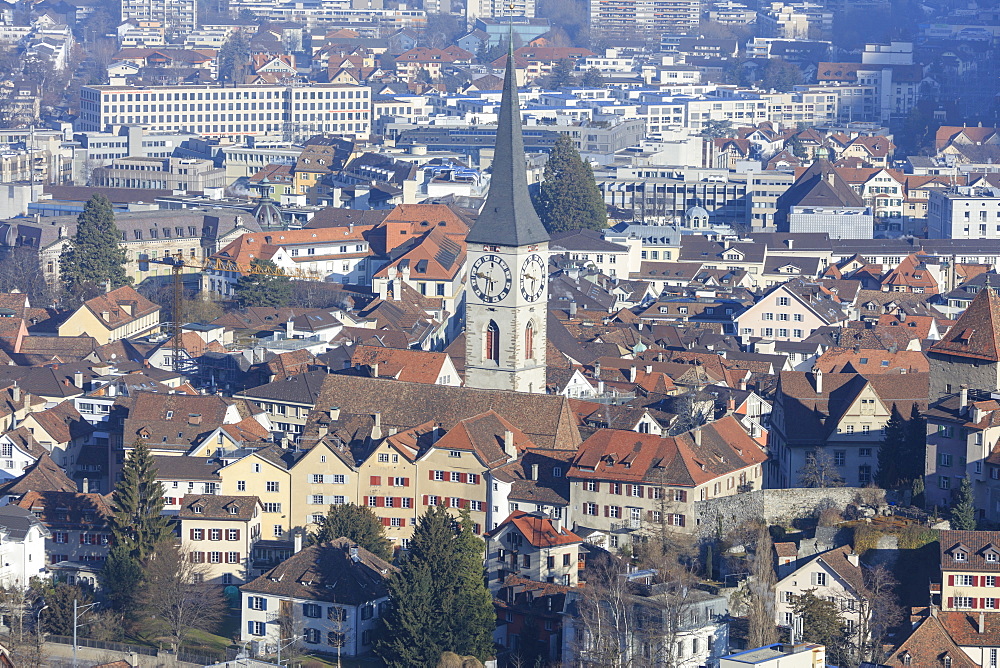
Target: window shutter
{"x":642,"y":492}
{"x":607,"y":512}
{"x":238,"y":558}
{"x":649,"y":515}
{"x":406,"y":482}
{"x":597,"y":487}
{"x":83,"y":539}
{"x":628,"y":490}
{"x":237,"y":534}
{"x":376,"y":480}
{"x":684,"y":497}
{"x":463,"y":477}
{"x":402,"y":521}
{"x":385,"y":521}
{"x":264,"y":602}
{"x":464,"y":503}
{"x":682,"y":519}
{"x":250,"y":628}
{"x":951,"y":580}
{"x":430,"y":474}
{"x":425,"y":499}
{"x":380,"y":502}
{"x":192,"y":534}
{"x":191,"y":558}
{"x":951,"y":601}
{"x":249,"y":598}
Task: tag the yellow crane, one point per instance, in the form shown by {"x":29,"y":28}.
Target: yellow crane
{"x":178,"y":265}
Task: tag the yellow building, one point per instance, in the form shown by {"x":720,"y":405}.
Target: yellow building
{"x":120,"y":314}
{"x":263,"y":474}
{"x":219,"y":532}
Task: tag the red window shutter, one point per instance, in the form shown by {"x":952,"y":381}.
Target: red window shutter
{"x":192,"y":534}
{"x":951,"y":580}
{"x":431,"y":475}
{"x":597,"y":487}
{"x":682,"y":519}
{"x":996,"y":603}
{"x":376,"y":480}
{"x":951,"y":601}
{"x":385,"y":521}
{"x":406,"y":482}
{"x":402,"y":521}
{"x":684,"y":496}
{"x":425,"y":499}
{"x":463,"y":503}
{"x":607,"y":511}
{"x":238,"y":559}
{"x":193,"y":558}
{"x":628,"y":490}
{"x":380,"y":502}
{"x":649,"y":515}
{"x":477,"y":528}
{"x":237,"y":534}
{"x":642,"y":492}
{"x":982,"y":603}
{"x":975,"y":580}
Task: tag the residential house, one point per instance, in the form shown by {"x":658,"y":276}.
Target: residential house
{"x":184,"y":476}
{"x":834,"y":575}
{"x":332,"y":595}
{"x":415,"y":366}
{"x":22,"y":547}
{"x":263,"y":474}
{"x":119,"y":314}
{"x":287,"y":402}
{"x":220,"y":532}
{"x":928,"y":643}
{"x":532,"y":546}
{"x":843,"y":414}
{"x":61,"y":430}
{"x":792,"y":311}
{"x":42,"y":476}
{"x":970,"y":563}
{"x":79,"y":536}
{"x":627,"y":482}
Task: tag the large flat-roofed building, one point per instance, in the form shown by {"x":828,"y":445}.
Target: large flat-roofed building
{"x":643,"y":19}
{"x":211,"y":111}
{"x":964,"y":213}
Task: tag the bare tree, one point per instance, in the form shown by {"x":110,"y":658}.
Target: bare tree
{"x":879,"y":612}
{"x":820,"y":470}
{"x":175,"y":595}
{"x":20,"y":270}
{"x":19,"y":606}
{"x":760,"y":591}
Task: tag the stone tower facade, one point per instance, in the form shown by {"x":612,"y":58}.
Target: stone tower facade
{"x":507,"y":285}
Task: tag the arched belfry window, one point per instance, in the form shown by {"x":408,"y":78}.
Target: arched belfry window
{"x":492,"y":343}
{"x":529,"y":341}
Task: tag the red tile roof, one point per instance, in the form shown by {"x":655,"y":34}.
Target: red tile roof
{"x":976,"y":333}
{"x":538,"y":531}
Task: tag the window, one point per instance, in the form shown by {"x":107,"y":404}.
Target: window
{"x":278,"y":531}
{"x":215,"y":534}
{"x":840,"y":457}
{"x":215,"y":557}
{"x":991,"y":557}
{"x":311,"y":636}
{"x":819,"y":579}
{"x":312,"y":610}
{"x":944,"y":459}
{"x":864,"y":452}
{"x":944,"y":482}
{"x":782,"y":301}
{"x":491,"y":350}
{"x":255,"y":628}
{"x":241,"y":485}
{"x":272,"y":507}
{"x":990,"y":581}
{"x":232,"y":557}
{"x":959,"y":556}
{"x":529,"y":341}
{"x":335,"y":638}
{"x":272,"y":486}
{"x":232,"y":534}
{"x":197,"y":534}
{"x":963,"y":602}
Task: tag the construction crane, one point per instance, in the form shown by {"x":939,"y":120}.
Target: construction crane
{"x":178,"y":265}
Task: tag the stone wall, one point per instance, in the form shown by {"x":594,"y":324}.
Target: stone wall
{"x":775,"y":506}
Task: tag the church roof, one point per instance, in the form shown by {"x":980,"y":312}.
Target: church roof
{"x":508,"y":218}
{"x":976,"y":333}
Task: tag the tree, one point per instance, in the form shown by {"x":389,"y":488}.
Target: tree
{"x":94,"y":258}
{"x":915,"y":445}
{"x":963,"y":512}
{"x":136,"y":523}
{"x":357,"y":523}
{"x":438,"y":596}
{"x":21,"y":271}
{"x":878,"y":614}
{"x":592,"y":79}
{"x":174,"y":595}
{"x":121,"y":578}
{"x":234,"y":58}
{"x":717,"y":129}
{"x":19,"y":605}
{"x":781,"y":75}
{"x":798,"y":149}
{"x":760,"y":591}
{"x":917,"y":497}
{"x":561,"y":74}
{"x":822,"y":624}
{"x":890,"y":452}
{"x":820,"y":470}
{"x":263,"y":289}
{"x":568,"y":198}
{"x":59,"y":596}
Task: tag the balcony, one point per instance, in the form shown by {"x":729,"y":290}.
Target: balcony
{"x":625,"y":525}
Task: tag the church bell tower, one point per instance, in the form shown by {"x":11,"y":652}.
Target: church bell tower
{"x":508,"y":256}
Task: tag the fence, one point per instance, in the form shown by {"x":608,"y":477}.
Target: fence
{"x":102,"y":644}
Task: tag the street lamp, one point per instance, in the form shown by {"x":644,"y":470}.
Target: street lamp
{"x":77,"y":609}
{"x":290,"y":641}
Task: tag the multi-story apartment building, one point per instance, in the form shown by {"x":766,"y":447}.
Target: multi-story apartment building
{"x":622,"y":489}
{"x":218,"y":532}
{"x":792,"y":311}
{"x":964,"y":213}
{"x":643,"y":19}
{"x":175,"y":16}
{"x":239,"y":111}
{"x":970,"y":564}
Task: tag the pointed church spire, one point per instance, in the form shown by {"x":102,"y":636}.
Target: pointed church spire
{"x":508,"y":218}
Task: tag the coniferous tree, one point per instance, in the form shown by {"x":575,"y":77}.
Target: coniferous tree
{"x":94,"y":256}
{"x":136,"y":523}
{"x":263,"y":289}
{"x":474,"y":615}
{"x":891,"y":451}
{"x":963,"y":513}
{"x":437,"y":596}
{"x":918,"y":497}
{"x":568,"y":197}
{"x":915,"y":446}
{"x":357,"y":523}
{"x":121,"y":579}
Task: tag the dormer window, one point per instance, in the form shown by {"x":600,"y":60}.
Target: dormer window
{"x":959,"y":555}
{"x":170,"y":414}
{"x":197,"y":510}
{"x":234,"y":510}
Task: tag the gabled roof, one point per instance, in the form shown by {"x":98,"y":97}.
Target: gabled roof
{"x":44,"y":475}
{"x":927,"y":645}
{"x":330,"y":572}
{"x":415,"y":366}
{"x":483,"y":435}
{"x":70,"y":509}
{"x":538,"y":530}
{"x":218,"y":507}
{"x":120,"y":307}
{"x":976,"y":333}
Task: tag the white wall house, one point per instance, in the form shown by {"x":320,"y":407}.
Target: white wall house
{"x":22,"y":547}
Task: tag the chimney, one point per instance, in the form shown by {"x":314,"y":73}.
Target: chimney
{"x":853,"y":559}
{"x":297,"y":541}
{"x":696,"y":434}
{"x":818,"y":380}
{"x":790,"y":243}
{"x":322,"y":430}
{"x":632,"y":374}
{"x":534,"y":472}
{"x":597,"y":369}
{"x":982,"y":622}
{"x":508,"y":444}
{"x":963,"y":399}
{"x":374,"y":368}
{"x":830,"y":177}
{"x":572,"y":309}
{"x":977,"y":414}
{"x":85,"y":487}
{"x":27,"y":400}
{"x":354,"y":554}
{"x":78,"y":379}
{"x":194,"y":419}
{"x":649,"y":369}
{"x":743,"y":384}
{"x":15,"y":393}
{"x":289,"y":328}
{"x":377,"y":429}
{"x":334,"y":413}
{"x":105,"y":315}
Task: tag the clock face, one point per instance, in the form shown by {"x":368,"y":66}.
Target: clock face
{"x":491,"y":278}
{"x":533,"y":277}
